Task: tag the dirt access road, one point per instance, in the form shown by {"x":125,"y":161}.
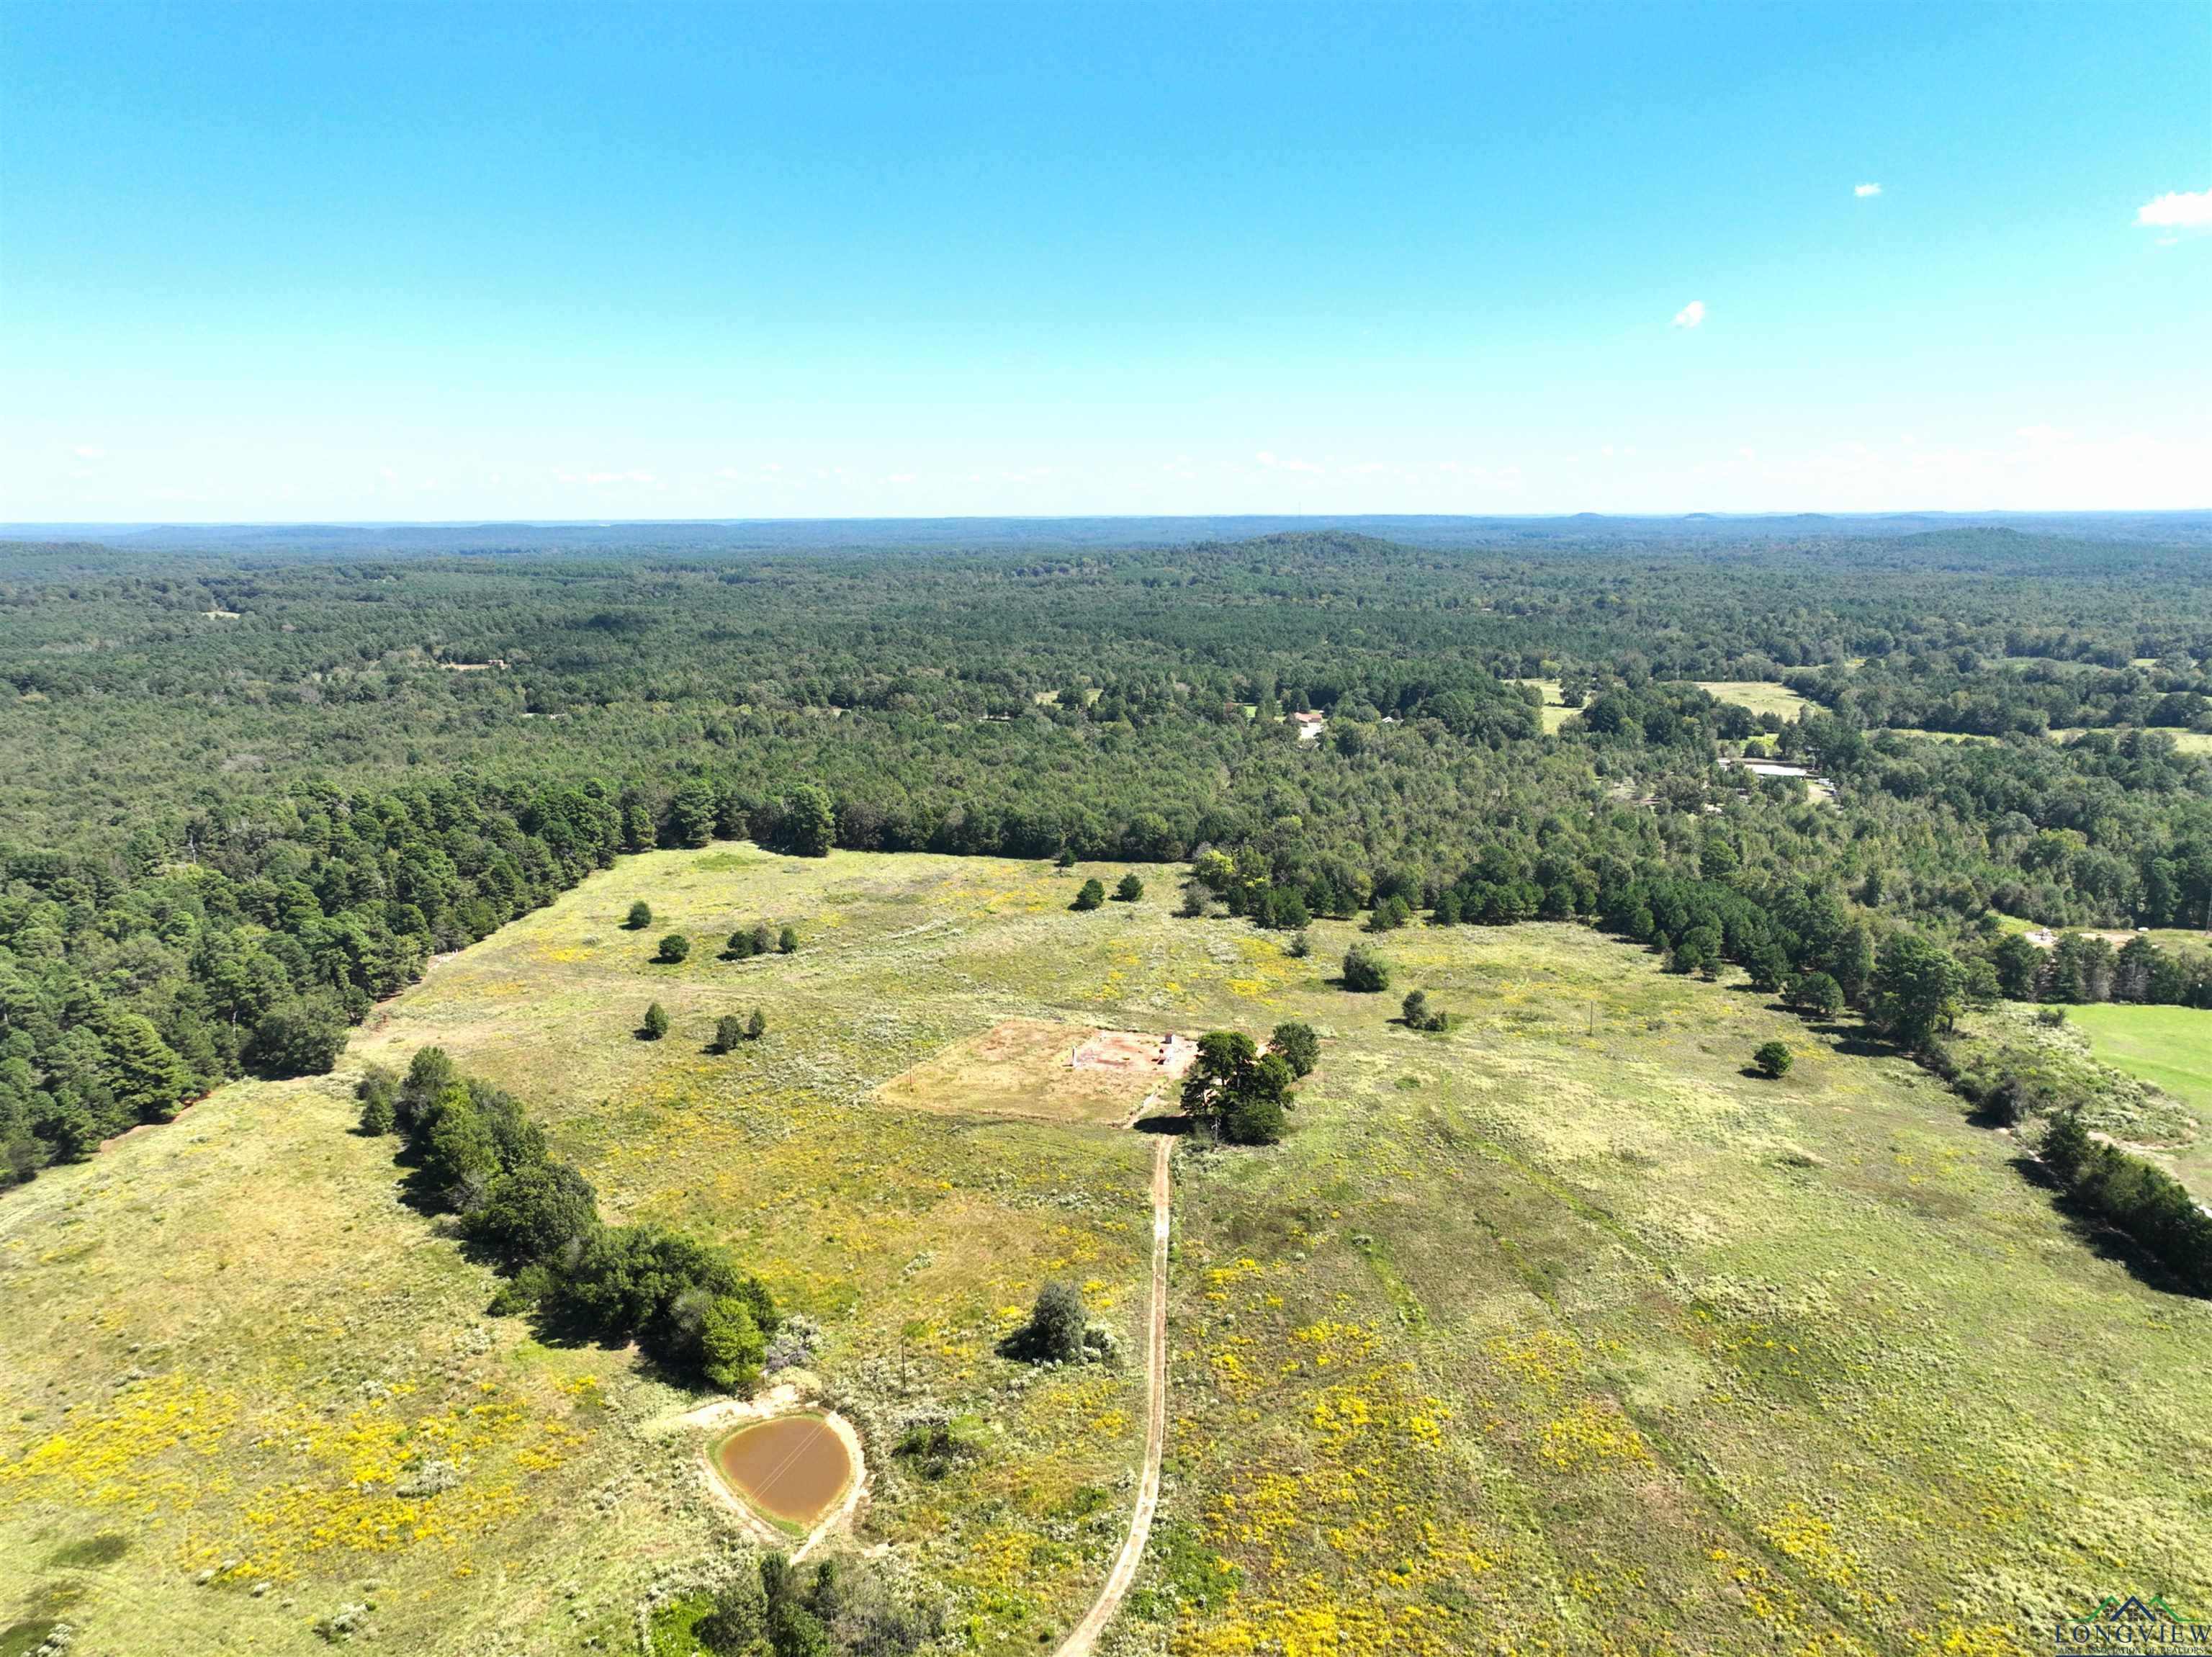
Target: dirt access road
{"x":1080,"y":1643}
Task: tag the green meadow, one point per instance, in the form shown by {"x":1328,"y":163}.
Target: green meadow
{"x":1559,"y":1329}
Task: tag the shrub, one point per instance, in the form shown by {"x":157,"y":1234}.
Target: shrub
{"x":674,"y":948}
{"x":786,"y":941}
{"x":1130,"y":889}
{"x":740,"y":947}
{"x":656,"y":1023}
{"x":1299,"y":947}
{"x":1298,"y":1045}
{"x":1089,"y":896}
{"x":1773,"y":1060}
{"x":1366,"y":973}
{"x":756,"y":1027}
{"x":934,"y":1449}
{"x":1418,"y":1014}
{"x":1054,"y":1332}
{"x":1389,"y":915}
{"x":379,"y":1092}
{"x":729,"y":1030}
{"x":640,"y":915}
{"x":731,"y":1344}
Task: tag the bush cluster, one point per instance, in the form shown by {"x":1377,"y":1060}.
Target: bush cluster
{"x":477,"y":1155}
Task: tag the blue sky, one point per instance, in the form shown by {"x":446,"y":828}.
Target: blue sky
{"x":418,"y":262}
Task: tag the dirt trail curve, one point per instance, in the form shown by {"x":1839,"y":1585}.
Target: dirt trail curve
{"x":1080,"y":1643}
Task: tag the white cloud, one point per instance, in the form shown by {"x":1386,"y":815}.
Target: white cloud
{"x":2178,"y":210}
{"x":1862,"y":190}
{"x":89,"y":451}
{"x":1691,"y":314}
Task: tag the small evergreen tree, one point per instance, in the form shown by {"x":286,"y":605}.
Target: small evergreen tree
{"x":787,"y":942}
{"x":640,"y":917}
{"x":1773,"y":1060}
{"x":656,"y":1023}
{"x":1130,"y":889}
{"x":1366,"y":973}
{"x":763,"y":939}
{"x":675,"y":949}
{"x":1299,"y":947}
{"x":1816,"y":996}
{"x":1054,"y":1333}
{"x":1091,"y":895}
{"x":1298,"y":1045}
{"x":377,"y":1090}
{"x":1418,"y":1014}
{"x":740,"y":947}
{"x":729,"y":1030}
{"x":756,"y":1026}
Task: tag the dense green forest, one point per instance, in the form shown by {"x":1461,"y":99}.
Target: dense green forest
{"x":253,"y":788}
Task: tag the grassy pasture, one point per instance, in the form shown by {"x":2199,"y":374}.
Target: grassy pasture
{"x":1554,"y":713}
{"x":1555,"y":1331}
{"x":1758,"y":696}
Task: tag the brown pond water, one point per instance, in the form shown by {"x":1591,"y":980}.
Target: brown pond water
{"x":791,"y":1468}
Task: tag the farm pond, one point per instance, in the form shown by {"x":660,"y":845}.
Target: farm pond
{"x":791,"y":1468}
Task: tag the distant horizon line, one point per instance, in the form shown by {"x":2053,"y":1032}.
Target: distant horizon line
{"x":8,"y":525}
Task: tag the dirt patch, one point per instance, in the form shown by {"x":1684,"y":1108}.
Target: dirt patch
{"x":1037,"y":1068}
{"x":1137,"y":1050}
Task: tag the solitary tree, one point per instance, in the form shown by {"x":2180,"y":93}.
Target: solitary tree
{"x":740,"y":947}
{"x":787,"y":942}
{"x":729,"y":1030}
{"x":656,"y":1023}
{"x":1773,"y":1060}
{"x":1091,"y":895}
{"x":1298,"y":1045}
{"x":1299,"y":947}
{"x":1363,"y":972}
{"x":756,"y":1027}
{"x":763,"y":939}
{"x":1418,"y":1014}
{"x":640,"y":917}
{"x":674,"y":948}
{"x":1130,"y":890}
{"x":1054,"y":1332}
{"x":1066,"y":858}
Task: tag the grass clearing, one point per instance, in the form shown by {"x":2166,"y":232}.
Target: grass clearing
{"x":1759,"y":696}
{"x":1554,"y":713}
{"x":1557,"y":1323}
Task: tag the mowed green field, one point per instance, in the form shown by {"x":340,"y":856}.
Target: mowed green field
{"x":1554,"y":1330}
{"x":1758,"y":696}
{"x":2170,"y":1047}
